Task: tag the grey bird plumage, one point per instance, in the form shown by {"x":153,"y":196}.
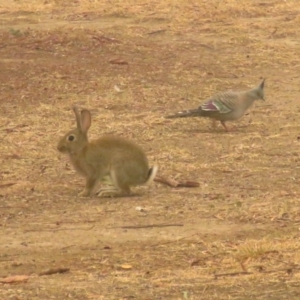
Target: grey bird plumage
{"x":225,"y":106}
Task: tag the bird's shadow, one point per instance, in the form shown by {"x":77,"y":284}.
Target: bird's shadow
{"x":237,"y":130}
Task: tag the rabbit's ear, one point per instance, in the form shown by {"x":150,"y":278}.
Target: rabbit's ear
{"x":78,"y":117}
{"x":86,"y":120}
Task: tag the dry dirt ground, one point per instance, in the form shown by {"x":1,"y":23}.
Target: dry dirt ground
{"x":132,"y":62}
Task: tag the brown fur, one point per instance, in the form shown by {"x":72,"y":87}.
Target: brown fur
{"x":124,"y":162}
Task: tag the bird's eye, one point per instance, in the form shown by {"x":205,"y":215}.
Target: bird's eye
{"x":71,"y":138}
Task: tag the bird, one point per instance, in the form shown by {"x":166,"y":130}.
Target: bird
{"x":225,"y":106}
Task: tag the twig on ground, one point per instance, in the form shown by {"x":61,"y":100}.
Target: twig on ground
{"x":175,"y":241}
{"x":13,"y":207}
{"x":157,"y":31}
{"x":287,"y":270}
{"x":146,"y":226}
{"x":174,"y":183}
{"x":59,"y":229}
{"x":252,"y":188}
{"x":232,"y":274}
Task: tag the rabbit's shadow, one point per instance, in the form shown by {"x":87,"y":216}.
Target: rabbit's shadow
{"x":133,"y":195}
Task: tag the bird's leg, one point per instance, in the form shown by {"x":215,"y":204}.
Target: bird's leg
{"x":250,"y":118}
{"x":214,"y":124}
{"x":224,"y":125}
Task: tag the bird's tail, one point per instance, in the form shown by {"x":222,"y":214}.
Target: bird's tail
{"x":185,"y":114}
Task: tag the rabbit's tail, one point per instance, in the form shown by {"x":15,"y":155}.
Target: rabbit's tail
{"x":151,"y":174}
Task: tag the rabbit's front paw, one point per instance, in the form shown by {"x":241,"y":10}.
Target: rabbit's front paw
{"x":84,"y":193}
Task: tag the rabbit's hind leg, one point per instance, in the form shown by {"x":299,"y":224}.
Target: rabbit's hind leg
{"x":120,"y":182}
{"x":108,"y":191}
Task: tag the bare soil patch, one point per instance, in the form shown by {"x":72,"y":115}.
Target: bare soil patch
{"x":131,"y":63}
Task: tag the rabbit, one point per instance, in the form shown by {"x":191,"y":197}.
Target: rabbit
{"x":109,"y":158}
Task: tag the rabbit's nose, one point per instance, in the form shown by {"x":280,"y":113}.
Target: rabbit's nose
{"x":61,"y":148}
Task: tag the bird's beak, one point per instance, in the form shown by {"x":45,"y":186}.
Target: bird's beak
{"x":263,"y":98}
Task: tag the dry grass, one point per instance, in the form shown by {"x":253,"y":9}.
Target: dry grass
{"x":240,"y":238}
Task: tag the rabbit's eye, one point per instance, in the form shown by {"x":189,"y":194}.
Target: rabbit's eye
{"x":71,"y":138}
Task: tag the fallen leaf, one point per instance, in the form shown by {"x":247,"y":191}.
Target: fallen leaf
{"x":139,"y":208}
{"x":13,"y":129}
{"x":126,"y":267}
{"x":14,"y":279}
{"x":118,"y":61}
{"x":7,"y":184}
{"x":12,"y":156}
{"x":16,"y":264}
{"x":188,"y":184}
{"x":54,"y":271}
{"x":117,"y":89}
{"x":186,"y":295}
{"x":195,"y":262}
